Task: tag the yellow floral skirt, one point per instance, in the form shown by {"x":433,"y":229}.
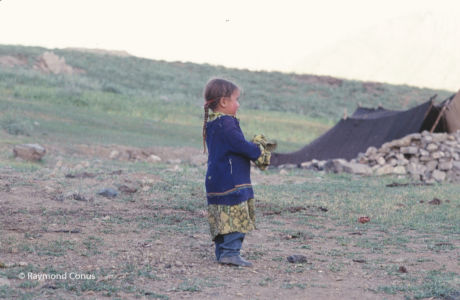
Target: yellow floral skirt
{"x":225,"y":219}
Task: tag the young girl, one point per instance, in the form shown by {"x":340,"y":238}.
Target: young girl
{"x":228,"y":183}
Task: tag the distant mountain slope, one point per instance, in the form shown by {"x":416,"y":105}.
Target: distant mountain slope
{"x":422,"y":50}
{"x":140,"y":102}
{"x":181,"y":84}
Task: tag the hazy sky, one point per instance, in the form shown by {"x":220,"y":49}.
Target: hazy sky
{"x":253,"y":34}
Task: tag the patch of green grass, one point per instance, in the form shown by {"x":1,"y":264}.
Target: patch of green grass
{"x":439,"y":245}
{"x":189,"y":285}
{"x":197,"y":284}
{"x":79,"y":286}
{"x":372,"y":244}
{"x":347,"y":199}
{"x":28,"y":284}
{"x":11,"y":293}
{"x":22,"y":166}
{"x":297,"y":268}
{"x":154,"y":295}
{"x":52,"y":248}
{"x":148,"y":272}
{"x":265,"y":282}
{"x":335,"y":267}
{"x":435,"y":283}
{"x":15,"y":124}
{"x":288,"y":285}
{"x":255,"y":255}
{"x":92,"y":244}
{"x":334,"y":253}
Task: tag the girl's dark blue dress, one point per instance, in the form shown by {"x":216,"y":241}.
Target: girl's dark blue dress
{"x":228,"y":181}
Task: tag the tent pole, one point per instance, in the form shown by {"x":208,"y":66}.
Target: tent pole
{"x":440,"y":115}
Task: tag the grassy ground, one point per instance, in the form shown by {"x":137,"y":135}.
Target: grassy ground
{"x":154,"y":243}
{"x":160,"y":103}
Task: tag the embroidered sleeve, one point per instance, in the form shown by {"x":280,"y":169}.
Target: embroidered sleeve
{"x":266,"y":147}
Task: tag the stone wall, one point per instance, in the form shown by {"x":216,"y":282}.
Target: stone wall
{"x":423,"y":156}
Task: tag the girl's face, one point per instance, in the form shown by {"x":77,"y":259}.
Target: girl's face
{"x":230,"y":105}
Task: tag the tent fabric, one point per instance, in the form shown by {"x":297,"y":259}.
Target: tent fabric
{"x":452,"y":114}
{"x":431,"y":118}
{"x":366,"y":127}
{"x":372,"y":113}
{"x":449,"y":121}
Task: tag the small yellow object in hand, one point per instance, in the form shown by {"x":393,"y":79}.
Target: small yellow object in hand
{"x":266,"y":147}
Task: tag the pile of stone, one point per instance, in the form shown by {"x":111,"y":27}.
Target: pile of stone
{"x":49,"y":62}
{"x":423,"y":156}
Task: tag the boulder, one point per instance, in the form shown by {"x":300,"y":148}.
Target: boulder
{"x":30,"y":152}
{"x":306,"y":165}
{"x":321,"y":164}
{"x":426,"y":139}
{"x":153,"y":158}
{"x":450,"y":143}
{"x":409,"y":150}
{"x":399,"y":170}
{"x":456,"y":165}
{"x":49,"y":62}
{"x":425,"y":158}
{"x":432,"y":147}
{"x":371,"y":151}
{"x":404,"y":142}
{"x":402,"y":162}
{"x":415,"y":136}
{"x":108,"y":192}
{"x":439,"y":137}
{"x":356,"y":168}
{"x":361,"y":158}
{"x":393,"y":162}
{"x":437,"y":154}
{"x":335,"y":165}
{"x":384,"y":170}
{"x":415,"y":169}
{"x":431,"y":165}
{"x":445,"y":165}
{"x":381,"y":161}
{"x":438,"y":175}
{"x":114,"y":154}
{"x":399,"y":156}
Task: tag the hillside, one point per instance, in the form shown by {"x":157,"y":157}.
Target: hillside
{"x":135,"y":101}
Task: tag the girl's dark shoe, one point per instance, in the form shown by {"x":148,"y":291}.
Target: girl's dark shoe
{"x":235,"y":260}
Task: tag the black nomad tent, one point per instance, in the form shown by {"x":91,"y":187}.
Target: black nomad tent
{"x":374,"y":127}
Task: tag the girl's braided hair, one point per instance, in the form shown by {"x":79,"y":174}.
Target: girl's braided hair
{"x":215,"y":90}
